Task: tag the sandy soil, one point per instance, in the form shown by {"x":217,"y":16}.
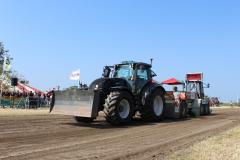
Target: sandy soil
{"x":15,"y":112}
{"x":44,"y":136}
{"x":224,"y":107}
{"x":224,"y":145}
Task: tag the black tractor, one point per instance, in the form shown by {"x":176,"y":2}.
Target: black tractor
{"x":123,"y":90}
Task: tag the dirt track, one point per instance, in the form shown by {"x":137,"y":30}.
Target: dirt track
{"x":60,"y":137}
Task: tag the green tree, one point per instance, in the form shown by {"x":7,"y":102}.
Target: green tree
{"x":4,"y":80}
{"x":2,"y":51}
{"x":8,"y":74}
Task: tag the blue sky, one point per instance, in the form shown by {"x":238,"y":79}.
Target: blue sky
{"x":50,"y":38}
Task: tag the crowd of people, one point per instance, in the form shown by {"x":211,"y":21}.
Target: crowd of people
{"x":26,"y":99}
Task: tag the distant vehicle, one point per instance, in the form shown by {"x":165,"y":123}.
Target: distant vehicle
{"x":192,"y":95}
{"x":199,"y":104}
{"x":214,"y":101}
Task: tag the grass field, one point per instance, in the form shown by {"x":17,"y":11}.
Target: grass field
{"x":224,"y":146}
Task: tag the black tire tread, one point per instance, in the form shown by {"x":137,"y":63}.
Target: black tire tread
{"x":147,"y":112}
{"x":111,"y":104}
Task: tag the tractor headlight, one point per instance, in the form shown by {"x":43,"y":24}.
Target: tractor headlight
{"x":96,"y":87}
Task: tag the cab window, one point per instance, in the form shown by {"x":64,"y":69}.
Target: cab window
{"x":142,"y":72}
{"x":124,"y":71}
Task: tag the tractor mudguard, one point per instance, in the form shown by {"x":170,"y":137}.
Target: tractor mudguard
{"x":120,"y":88}
{"x":82,"y":103}
{"x":148,"y":90}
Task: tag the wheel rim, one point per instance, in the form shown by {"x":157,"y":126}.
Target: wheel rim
{"x":158,"y":105}
{"x":124,"y":108}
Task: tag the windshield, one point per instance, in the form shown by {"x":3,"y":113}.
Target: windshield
{"x":191,"y":87}
{"x":123,"y":71}
{"x":195,"y":87}
{"x":142,"y":72}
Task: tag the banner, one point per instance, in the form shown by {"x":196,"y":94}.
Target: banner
{"x":75,"y":75}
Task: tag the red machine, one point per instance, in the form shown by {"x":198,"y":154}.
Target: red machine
{"x":176,"y":100}
{"x":190,"y":100}
{"x":198,"y":102}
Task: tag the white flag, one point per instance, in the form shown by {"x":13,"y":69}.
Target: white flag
{"x":75,"y":75}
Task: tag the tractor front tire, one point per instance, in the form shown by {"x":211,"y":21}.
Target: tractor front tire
{"x":155,"y":108}
{"x":83,"y":119}
{"x":118,"y":107}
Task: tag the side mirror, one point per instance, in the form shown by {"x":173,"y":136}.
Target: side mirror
{"x":106,"y":72}
{"x":153,"y":74}
{"x":208,"y":85}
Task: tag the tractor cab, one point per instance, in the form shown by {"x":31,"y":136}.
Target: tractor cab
{"x":195,"y":85}
{"x":135,"y":73}
{"x":199,"y":104}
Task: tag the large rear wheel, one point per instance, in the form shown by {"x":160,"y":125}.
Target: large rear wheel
{"x":202,"y":110}
{"x":118,"y":107}
{"x":154,"y":110}
{"x":208,"y":112}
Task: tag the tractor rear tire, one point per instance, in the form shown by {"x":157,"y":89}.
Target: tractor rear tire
{"x":208,"y":112}
{"x":191,"y":113}
{"x":202,"y":110}
{"x":118,"y":107}
{"x":155,"y":108}
{"x":83,"y":119}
